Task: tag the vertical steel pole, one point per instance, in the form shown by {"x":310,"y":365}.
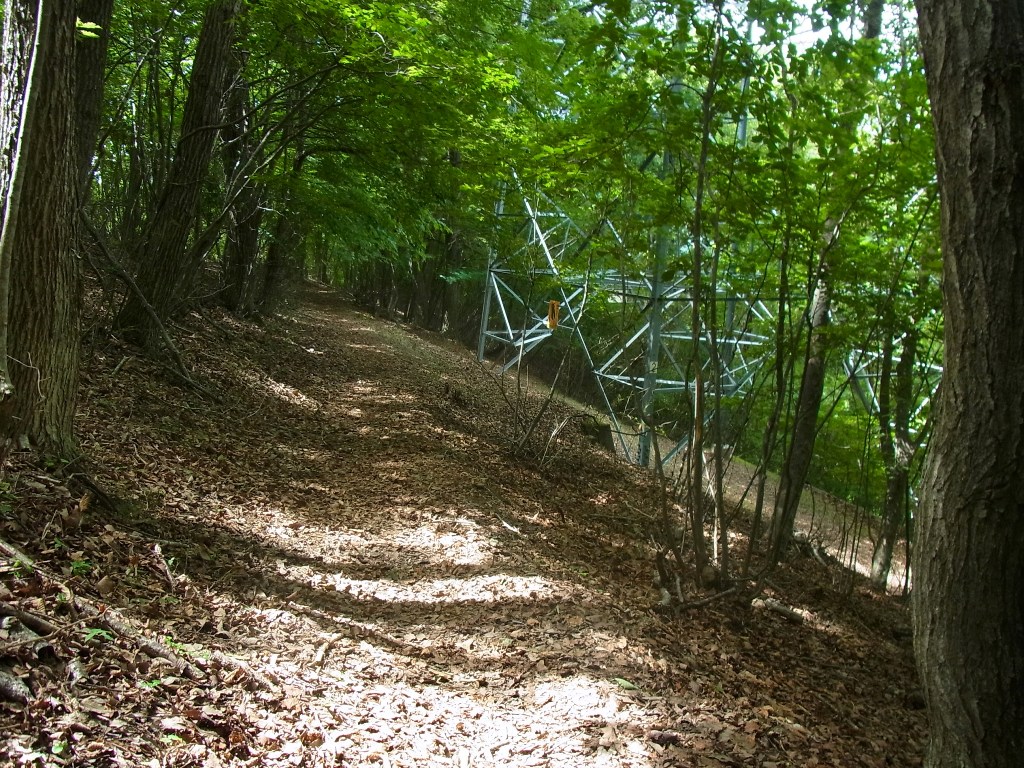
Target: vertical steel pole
{"x":492,"y":263}
{"x":653,"y":356}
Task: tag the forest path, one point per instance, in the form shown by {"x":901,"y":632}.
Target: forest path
{"x":349,"y":524}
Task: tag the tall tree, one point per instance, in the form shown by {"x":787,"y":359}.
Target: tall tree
{"x":969,"y":573}
{"x":40,"y":308}
{"x":245,"y":211}
{"x":163,"y":267}
{"x":797,"y":463}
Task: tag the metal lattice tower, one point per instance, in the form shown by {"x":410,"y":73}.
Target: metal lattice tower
{"x":647,"y":361}
{"x":864,"y":368}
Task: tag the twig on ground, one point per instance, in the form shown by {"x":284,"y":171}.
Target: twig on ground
{"x":36,"y":624}
{"x":268,"y":681}
{"x":770,"y":604}
{"x":108,"y":618}
{"x":708,"y":600}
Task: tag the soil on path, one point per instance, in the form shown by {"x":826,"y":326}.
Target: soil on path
{"x":341,"y":541}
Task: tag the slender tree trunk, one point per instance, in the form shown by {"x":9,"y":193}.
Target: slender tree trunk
{"x":242,"y":250}
{"x":246,"y":214}
{"x":779,"y":370}
{"x":895,"y":396}
{"x":129,"y":228}
{"x":812,"y":385}
{"x":968,"y":570}
{"x":283,"y":244}
{"x":163,"y":267}
{"x":698,"y":497}
{"x":775,"y":415}
{"x":873,"y":18}
{"x":805,"y":424}
{"x":43,"y":337}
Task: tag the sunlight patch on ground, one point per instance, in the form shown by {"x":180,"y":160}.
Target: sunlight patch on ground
{"x":463,"y":546}
{"x":473,"y":589}
{"x":279,"y":390}
{"x":516,"y":714}
{"x":452,"y":543}
{"x":372,"y":392}
{"x":361,"y":328}
{"x":575,"y":721}
{"x":370,"y":347}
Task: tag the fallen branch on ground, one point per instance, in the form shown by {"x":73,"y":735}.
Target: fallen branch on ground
{"x":108,"y":618}
{"x":794,"y":615}
{"x":710,"y":599}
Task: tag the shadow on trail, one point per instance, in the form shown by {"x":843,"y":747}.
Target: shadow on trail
{"x":338,"y":490}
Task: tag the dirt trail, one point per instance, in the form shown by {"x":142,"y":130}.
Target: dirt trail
{"x":348,"y":526}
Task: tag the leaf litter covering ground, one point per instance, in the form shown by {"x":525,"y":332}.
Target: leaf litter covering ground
{"x":337,"y":560}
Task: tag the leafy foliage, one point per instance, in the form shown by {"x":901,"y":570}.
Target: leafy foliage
{"x":386,"y":134}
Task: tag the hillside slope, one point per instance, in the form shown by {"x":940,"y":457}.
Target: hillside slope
{"x":336,"y":555}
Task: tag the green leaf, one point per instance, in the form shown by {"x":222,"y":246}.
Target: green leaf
{"x":95,"y":633}
{"x":88,"y":28}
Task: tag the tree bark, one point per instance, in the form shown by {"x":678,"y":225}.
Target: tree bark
{"x":18,"y":45}
{"x":161,"y":254}
{"x":805,"y":425}
{"x":969,"y":572}
{"x":43,"y":339}
{"x":895,"y":402}
{"x":90,"y":67}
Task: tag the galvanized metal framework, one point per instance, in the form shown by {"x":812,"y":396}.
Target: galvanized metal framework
{"x":864,"y":368}
{"x":646,"y":363}
{"x":520,"y":323}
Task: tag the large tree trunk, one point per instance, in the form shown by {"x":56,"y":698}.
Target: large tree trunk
{"x":163,"y":267}
{"x":969,"y":571}
{"x":43,"y":337}
{"x":17,"y":48}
